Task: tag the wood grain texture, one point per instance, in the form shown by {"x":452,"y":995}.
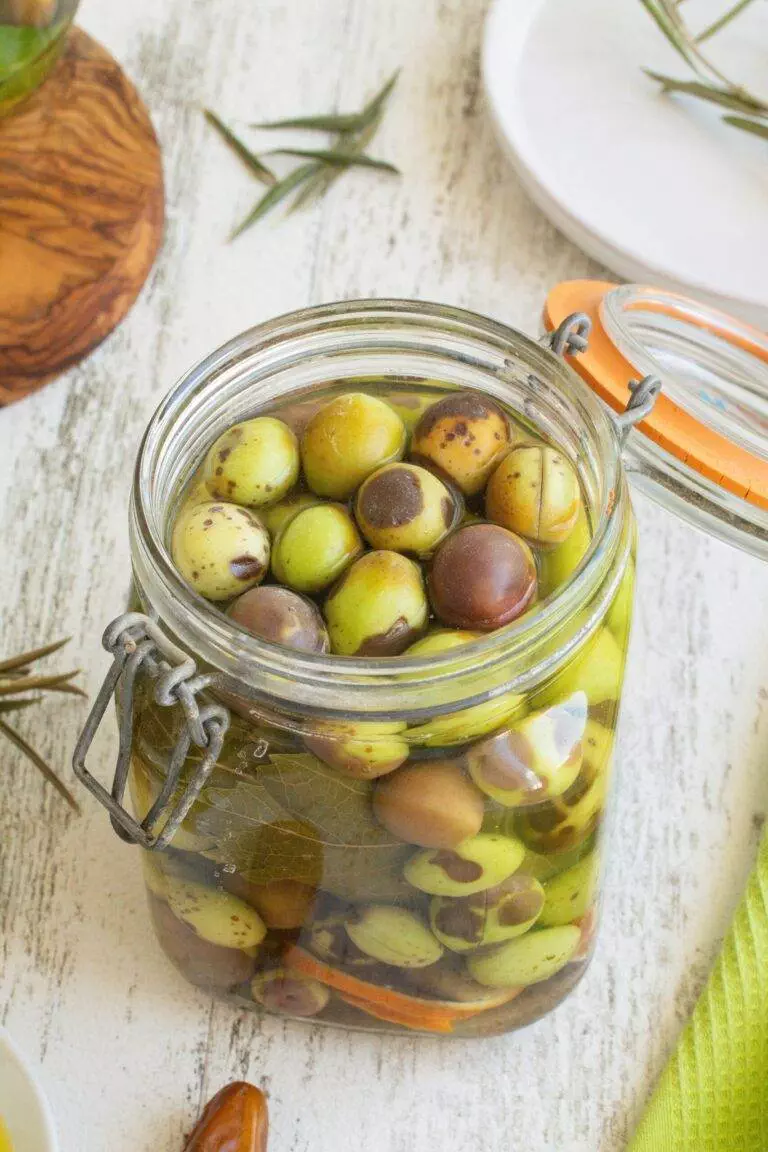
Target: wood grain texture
{"x":128,"y":1052}
{"x":81,"y":215}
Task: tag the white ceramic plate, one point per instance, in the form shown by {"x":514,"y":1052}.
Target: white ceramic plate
{"x":655,"y":188}
{"x":23,"y":1106}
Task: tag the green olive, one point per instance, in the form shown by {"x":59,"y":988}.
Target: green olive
{"x":276,"y":516}
{"x":315,"y":547}
{"x":540,"y":757}
{"x":348,"y":439}
{"x":557,"y":564}
{"x":378,"y":607}
{"x":528,"y":960}
{"x":570,"y":895}
{"x":465,"y":435}
{"x":217,"y":917}
{"x":282,"y":617}
{"x":253,"y":463}
{"x":596,"y":670}
{"x":476,"y":864}
{"x":619,"y":616}
{"x":467,"y":723}
{"x":221,"y":549}
{"x":431,"y":804}
{"x":489,"y":917}
{"x":364,"y":749}
{"x":393,"y":936}
{"x":289,"y":993}
{"x":535,"y":491}
{"x":405,"y":508}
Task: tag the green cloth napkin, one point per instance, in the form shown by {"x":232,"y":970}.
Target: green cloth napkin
{"x":713,"y":1094}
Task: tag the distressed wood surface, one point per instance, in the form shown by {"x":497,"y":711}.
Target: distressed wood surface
{"x":127,"y":1051}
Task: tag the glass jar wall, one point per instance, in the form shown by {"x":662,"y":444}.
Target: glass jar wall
{"x":412,"y":843}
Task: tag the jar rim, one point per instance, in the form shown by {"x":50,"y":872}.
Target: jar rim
{"x":277,"y":673}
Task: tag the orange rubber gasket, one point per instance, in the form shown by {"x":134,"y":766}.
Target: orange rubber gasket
{"x":604,"y":368}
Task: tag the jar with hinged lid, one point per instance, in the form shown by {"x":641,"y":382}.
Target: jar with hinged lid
{"x":394,"y":819}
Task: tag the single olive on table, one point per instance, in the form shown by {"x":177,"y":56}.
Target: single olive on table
{"x":409,"y":871}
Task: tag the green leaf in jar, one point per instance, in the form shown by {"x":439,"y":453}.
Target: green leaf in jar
{"x":339,"y":807}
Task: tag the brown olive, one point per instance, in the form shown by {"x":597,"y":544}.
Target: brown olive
{"x":282,"y":617}
{"x":289,"y":993}
{"x":535,"y":491}
{"x":491,"y":917}
{"x":282,"y":904}
{"x":482,"y":577}
{"x":433,"y":805}
{"x":464,"y":435}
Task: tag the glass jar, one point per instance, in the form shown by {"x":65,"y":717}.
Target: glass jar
{"x":255,"y":771}
{"x":32,"y":36}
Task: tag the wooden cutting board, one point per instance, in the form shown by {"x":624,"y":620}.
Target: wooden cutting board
{"x":81,"y":215}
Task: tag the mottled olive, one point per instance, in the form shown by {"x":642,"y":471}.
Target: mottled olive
{"x":540,"y":757}
{"x":378,"y":607}
{"x":535,"y":492}
{"x":528,"y":960}
{"x":570,"y":895}
{"x":204,"y":964}
{"x":476,"y":864}
{"x":287,"y":992}
{"x":489,"y":917}
{"x":253,"y":463}
{"x":557,"y":564}
{"x":482,"y":577}
{"x":405,"y":508}
{"x":464,"y":434}
{"x":218,"y":917}
{"x":221,"y":549}
{"x":315,"y":547}
{"x":431,"y":804}
{"x":562,"y":824}
{"x":282,"y":617}
{"x":363,"y":749}
{"x":597,"y":670}
{"x":276,"y":516}
{"x":393,"y":936}
{"x":282,"y":904}
{"x":348,"y":439}
{"x":327,"y":938}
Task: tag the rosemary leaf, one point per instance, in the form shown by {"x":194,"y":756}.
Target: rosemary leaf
{"x":338,"y":122}
{"x":8,"y":706}
{"x":337,"y":159}
{"x":753,"y":126}
{"x":59,"y":682}
{"x":740,"y":102}
{"x":259,"y":169}
{"x":349,"y":142}
{"x":670,"y":30}
{"x":17,"y":663}
{"x":274,"y":195}
{"x":726,"y":18}
{"x":39,"y":763}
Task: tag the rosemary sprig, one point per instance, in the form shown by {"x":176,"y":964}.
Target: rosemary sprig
{"x":711,"y":85}
{"x":20,"y":688}
{"x":322,"y":166}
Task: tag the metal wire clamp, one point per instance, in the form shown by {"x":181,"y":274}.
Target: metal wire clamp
{"x":570,"y":337}
{"x":642,"y":397}
{"x":137,"y":643}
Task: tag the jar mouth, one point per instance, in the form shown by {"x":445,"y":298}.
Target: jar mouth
{"x":396,"y":339}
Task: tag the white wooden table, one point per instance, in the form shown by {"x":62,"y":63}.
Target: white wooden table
{"x":127,"y":1051}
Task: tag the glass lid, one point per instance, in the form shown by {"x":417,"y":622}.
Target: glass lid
{"x":703,"y":451}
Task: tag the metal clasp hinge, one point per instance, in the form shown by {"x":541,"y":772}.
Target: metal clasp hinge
{"x":135,"y":642}
{"x":642,"y":397}
{"x":570,"y":337}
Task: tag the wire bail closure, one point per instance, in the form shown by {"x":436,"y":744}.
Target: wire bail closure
{"x":643,"y":396}
{"x":137,"y":643}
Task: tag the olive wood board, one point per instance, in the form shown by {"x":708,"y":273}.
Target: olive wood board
{"x":81,"y":215}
